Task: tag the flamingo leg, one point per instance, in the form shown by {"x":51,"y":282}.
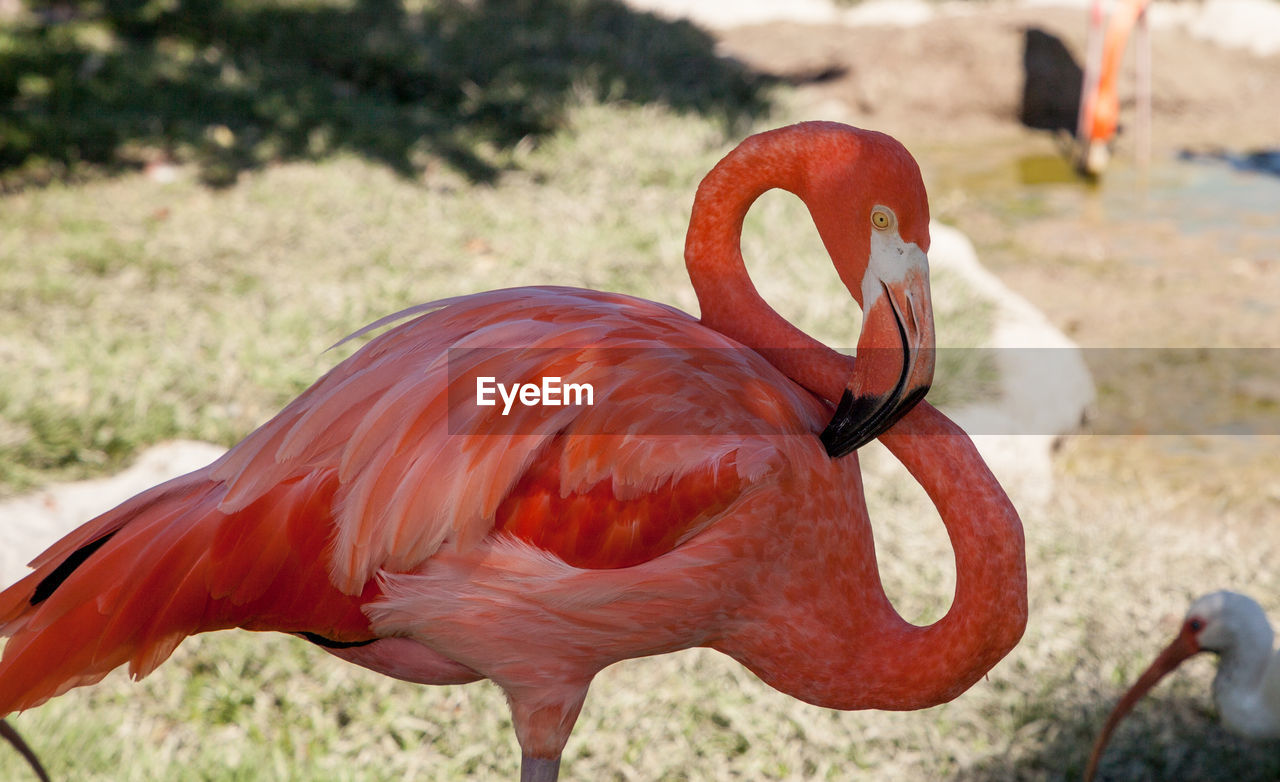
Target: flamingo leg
{"x":11,"y":735}
{"x":539,"y":769}
{"x":543,"y":717}
{"x":1142,"y":41}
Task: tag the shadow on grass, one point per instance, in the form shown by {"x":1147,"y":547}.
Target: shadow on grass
{"x":235,"y":84}
{"x":1164,"y":738}
{"x":1052,"y":82}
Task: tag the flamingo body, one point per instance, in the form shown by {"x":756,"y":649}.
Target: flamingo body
{"x":388,"y":517}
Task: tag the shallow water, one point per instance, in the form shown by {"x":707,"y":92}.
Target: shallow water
{"x":1169,"y":274}
{"x":1201,"y":194}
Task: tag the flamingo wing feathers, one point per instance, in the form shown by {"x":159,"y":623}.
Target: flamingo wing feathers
{"x":165,"y":565}
{"x":421,"y":465}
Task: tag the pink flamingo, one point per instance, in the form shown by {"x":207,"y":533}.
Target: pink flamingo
{"x":709,"y":497}
{"x":1100,"y":98}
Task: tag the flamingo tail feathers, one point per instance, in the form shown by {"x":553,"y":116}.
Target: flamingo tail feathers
{"x":130,"y":585}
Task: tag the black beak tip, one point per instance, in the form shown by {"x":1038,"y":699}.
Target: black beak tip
{"x":858,"y":421}
{"x":847,"y":431}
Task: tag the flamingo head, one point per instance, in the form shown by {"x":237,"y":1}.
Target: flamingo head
{"x":1216,"y":622}
{"x":868,"y":202}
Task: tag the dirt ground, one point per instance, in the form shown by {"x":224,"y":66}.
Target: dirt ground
{"x":1183,"y":255}
{"x":960,"y":76}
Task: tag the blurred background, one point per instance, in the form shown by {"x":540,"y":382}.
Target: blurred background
{"x":199,"y":197}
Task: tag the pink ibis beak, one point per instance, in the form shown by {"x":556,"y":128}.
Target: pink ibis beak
{"x":1182,"y":647}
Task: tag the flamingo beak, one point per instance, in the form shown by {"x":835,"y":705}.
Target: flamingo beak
{"x":894,"y":365}
{"x":1182,"y":647}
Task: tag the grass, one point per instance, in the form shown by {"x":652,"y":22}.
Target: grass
{"x":233,"y":85}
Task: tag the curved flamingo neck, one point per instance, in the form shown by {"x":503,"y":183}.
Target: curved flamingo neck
{"x":728,"y":300}
{"x":989,"y":611}
{"x":884,"y":661}
{"x":857,"y":651}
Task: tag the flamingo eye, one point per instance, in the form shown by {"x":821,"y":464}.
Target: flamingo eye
{"x":1195,"y":625}
{"x":882,"y":218}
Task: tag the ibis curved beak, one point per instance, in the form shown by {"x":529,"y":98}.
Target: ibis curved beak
{"x":894,"y":364}
{"x":1182,"y":647}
